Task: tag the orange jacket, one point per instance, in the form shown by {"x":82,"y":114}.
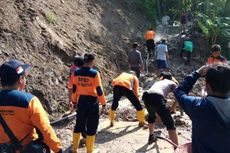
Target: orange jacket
{"x":128,"y":81}
{"x":149,"y":35}
{"x":22,"y":112}
{"x":87,"y":82}
{"x":212,"y":59}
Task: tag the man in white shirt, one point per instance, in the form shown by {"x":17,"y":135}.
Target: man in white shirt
{"x":162,"y":56}
{"x":155,"y":102}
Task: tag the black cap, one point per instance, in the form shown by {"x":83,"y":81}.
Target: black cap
{"x":12,"y":70}
{"x":78,"y":61}
{"x":135,"y":45}
{"x":88,"y":57}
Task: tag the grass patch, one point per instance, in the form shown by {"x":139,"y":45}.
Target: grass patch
{"x":50,"y":17}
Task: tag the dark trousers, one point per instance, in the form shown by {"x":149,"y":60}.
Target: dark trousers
{"x":137,"y":71}
{"x":150,"y":47}
{"x":119,"y":91}
{"x":87,"y":115}
{"x":188,"y":55}
{"x":156,"y":103}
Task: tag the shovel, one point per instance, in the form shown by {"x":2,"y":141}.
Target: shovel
{"x":184,"y":148}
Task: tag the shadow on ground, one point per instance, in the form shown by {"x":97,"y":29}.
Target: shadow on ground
{"x":106,"y":135}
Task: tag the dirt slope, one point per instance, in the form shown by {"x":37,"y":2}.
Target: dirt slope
{"x":48,"y":33}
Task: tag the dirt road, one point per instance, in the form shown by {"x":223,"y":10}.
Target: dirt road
{"x":126,"y":136}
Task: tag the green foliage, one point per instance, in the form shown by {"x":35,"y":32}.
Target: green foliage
{"x":212,"y":23}
{"x":155,"y":9}
{"x":203,"y":28}
{"x":148,"y":7}
{"x":213,"y":19}
{"x":50,"y":17}
{"x":186,"y":5}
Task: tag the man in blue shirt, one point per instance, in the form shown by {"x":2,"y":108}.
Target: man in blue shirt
{"x":162,"y":56}
{"x":210,"y":115}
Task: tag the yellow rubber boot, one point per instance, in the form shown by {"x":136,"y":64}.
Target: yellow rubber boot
{"x":111,"y":117}
{"x":141,"y":117}
{"x":90,"y":143}
{"x":75,"y":142}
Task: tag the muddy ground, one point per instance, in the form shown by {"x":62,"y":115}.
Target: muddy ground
{"x":126,"y":136}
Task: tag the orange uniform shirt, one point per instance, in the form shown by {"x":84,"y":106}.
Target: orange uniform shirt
{"x":87,"y":82}
{"x":22,"y":112}
{"x":128,"y":81}
{"x":149,"y":35}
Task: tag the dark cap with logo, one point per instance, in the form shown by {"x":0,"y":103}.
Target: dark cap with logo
{"x":12,"y":70}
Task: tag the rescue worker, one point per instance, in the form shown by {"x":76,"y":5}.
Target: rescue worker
{"x":216,"y":55}
{"x":135,"y":60}
{"x":155,"y":102}
{"x":126,"y":85}
{"x":149,"y":37}
{"x":22,"y":111}
{"x":87,"y":89}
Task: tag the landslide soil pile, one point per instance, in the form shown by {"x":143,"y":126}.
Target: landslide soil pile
{"x":47,"y":34}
